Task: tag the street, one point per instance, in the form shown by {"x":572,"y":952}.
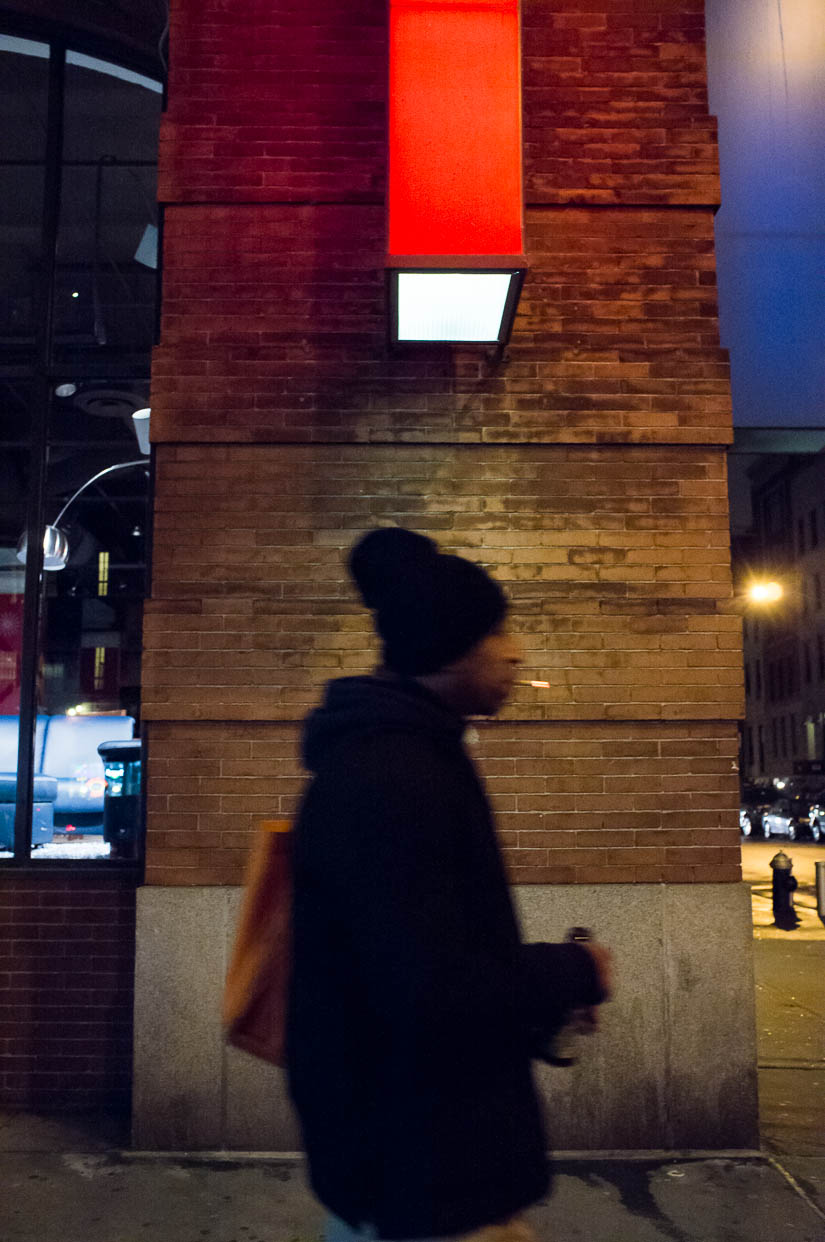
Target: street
{"x":756,"y":871}
{"x":789,"y":968}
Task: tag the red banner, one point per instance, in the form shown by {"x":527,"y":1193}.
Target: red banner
{"x":455,"y":177}
{"x":11,"y":643}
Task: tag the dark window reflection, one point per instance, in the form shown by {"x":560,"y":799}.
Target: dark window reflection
{"x":15,"y":461}
{"x":23,"y":107}
{"x":95,"y":371}
{"x":107,"y":248}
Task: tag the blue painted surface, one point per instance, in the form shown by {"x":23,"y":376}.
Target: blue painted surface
{"x":766,"y":80}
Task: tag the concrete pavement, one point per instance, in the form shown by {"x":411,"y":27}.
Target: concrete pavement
{"x":96,"y":1194}
{"x":790,"y":1018}
{"x":73,"y":1179}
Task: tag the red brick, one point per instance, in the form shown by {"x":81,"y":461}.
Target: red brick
{"x":65,"y":1034}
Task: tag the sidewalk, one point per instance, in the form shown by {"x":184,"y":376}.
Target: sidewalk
{"x":74,"y":1179}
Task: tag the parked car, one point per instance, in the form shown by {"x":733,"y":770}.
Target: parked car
{"x":816,"y":820}
{"x":756,"y":799}
{"x":800,"y":815}
{"x":780,"y":820}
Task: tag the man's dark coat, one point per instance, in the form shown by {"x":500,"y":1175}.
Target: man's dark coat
{"x":413,"y":1006}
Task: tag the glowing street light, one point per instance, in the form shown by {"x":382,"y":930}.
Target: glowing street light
{"x":765,"y":592}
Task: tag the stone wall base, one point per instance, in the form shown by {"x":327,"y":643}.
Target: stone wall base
{"x":673,"y":1066}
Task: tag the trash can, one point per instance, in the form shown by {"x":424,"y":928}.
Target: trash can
{"x":820,"y":888}
{"x":121,"y":797}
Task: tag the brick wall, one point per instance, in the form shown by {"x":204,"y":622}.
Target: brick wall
{"x":602,"y":803}
{"x":274,"y":330}
{"x":617,"y":568}
{"x":67,"y":946}
{"x":586,"y":468}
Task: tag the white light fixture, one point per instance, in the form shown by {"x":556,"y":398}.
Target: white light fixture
{"x":455,"y":306}
{"x":474,"y":306}
{"x":55,"y":540}
{"x":55,"y":548}
{"x":140,"y":422}
{"x":147,"y":251}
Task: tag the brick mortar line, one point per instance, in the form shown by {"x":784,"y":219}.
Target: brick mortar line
{"x":419,"y":445}
{"x":538,"y":205}
{"x":623,"y":721}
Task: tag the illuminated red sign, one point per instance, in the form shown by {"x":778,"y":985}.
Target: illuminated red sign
{"x":455,"y":179}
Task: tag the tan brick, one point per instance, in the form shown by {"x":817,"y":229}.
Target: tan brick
{"x":586,"y":469}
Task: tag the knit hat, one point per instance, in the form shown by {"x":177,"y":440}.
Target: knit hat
{"x":429,"y":607}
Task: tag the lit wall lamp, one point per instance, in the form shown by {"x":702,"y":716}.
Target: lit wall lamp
{"x":765,"y":592}
{"x":455,"y":257}
{"x":55,"y":540}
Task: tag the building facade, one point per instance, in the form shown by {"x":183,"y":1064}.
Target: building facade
{"x":584,"y":466}
{"x":784,"y":642}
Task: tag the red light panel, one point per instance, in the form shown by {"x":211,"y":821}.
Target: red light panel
{"x":455,"y":178}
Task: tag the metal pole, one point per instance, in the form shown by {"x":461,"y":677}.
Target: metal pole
{"x":32,"y":607}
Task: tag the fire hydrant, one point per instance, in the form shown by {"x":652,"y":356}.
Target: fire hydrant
{"x":783,"y":887}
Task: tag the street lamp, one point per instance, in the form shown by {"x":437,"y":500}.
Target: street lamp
{"x":55,"y":540}
{"x":765,"y":592}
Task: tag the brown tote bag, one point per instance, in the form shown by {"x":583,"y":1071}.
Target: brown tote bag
{"x":257,"y":982}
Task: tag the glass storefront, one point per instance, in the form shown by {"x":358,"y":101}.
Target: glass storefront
{"x":78,"y":292}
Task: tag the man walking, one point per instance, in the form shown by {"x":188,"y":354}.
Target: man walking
{"x":415,"y":1009}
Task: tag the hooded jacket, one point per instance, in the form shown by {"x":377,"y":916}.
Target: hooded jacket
{"x":414,"y":1006}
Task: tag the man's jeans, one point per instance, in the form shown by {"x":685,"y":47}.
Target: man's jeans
{"x":515,"y":1230}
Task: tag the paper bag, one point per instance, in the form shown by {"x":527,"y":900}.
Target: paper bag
{"x":257,"y":982}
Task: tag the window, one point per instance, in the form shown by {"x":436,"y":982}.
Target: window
{"x":758,"y":666}
{"x":800,"y":536}
{"x":776,"y":519}
{"x":747,"y":678}
{"x":806,"y":660}
{"x":70,"y":464}
{"x":813,"y":528}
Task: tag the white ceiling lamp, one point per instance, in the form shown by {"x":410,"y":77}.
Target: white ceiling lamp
{"x":140,"y":422}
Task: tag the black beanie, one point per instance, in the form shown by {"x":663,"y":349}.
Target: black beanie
{"x":430,"y":608}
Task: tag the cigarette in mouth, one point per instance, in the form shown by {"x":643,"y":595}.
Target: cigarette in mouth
{"x":539,"y":685}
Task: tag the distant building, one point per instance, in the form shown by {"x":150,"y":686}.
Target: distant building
{"x":784,"y":641}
